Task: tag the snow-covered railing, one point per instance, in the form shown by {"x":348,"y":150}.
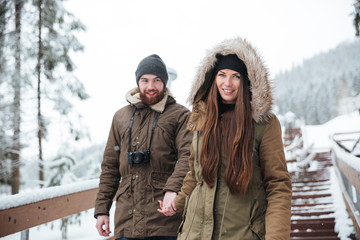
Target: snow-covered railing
{"x":304,"y":153}
{"x":347,"y":167}
{"x":290,"y":134}
{"x":291,"y":150}
{"x":305,"y":163}
{"x":295,"y":144}
{"x":28,"y":209}
{"x":295,"y":153}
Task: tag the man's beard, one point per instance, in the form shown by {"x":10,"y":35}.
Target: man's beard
{"x":152,"y":100}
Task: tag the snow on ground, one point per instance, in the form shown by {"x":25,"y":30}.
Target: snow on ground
{"x":319,"y":135}
{"x":343,"y":223}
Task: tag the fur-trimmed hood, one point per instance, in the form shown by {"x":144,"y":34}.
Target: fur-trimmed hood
{"x":261,"y":86}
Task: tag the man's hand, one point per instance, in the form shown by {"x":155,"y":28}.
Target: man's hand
{"x":101,"y":221}
{"x":167,"y":206}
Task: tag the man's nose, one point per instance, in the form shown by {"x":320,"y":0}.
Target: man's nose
{"x":151,"y":85}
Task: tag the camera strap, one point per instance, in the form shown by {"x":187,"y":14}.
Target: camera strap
{"x":152,"y":129}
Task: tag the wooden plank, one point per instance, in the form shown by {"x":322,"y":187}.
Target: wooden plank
{"x":304,"y":196}
{"x":306,"y":204}
{"x":351,"y":174}
{"x":315,"y":238}
{"x":314,"y":233}
{"x":313,"y":225}
{"x":311,"y":213}
{"x":352,"y":213}
{"x":296,"y":191}
{"x":349,"y":204}
{"x":30,"y":215}
{"x":316,"y":219}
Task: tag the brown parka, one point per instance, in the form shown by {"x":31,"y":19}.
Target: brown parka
{"x":264,"y":211}
{"x":138,"y":187}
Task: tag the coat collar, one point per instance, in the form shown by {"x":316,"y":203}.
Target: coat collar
{"x":133,"y":97}
{"x":261,"y":86}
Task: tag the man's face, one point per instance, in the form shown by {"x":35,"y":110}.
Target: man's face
{"x":151,"y":89}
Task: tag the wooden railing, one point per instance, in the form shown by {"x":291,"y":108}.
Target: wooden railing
{"x":23,"y":216}
{"x":295,"y":150}
{"x":347,"y":167}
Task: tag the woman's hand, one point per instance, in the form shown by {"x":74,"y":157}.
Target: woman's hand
{"x":167,"y":206}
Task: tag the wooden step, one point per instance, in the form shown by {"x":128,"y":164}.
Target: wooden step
{"x":314,"y":238}
{"x":311,"y":224}
{"x":314,"y":233}
{"x":312,"y":213}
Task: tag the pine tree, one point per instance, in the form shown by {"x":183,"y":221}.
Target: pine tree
{"x":61,"y":173}
{"x":47,"y":25}
{"x":316,"y":90}
{"x":356,"y":20}
{"x":5,"y":170}
{"x":16,"y":107}
{"x":4,"y":6}
{"x":39,"y":115}
{"x":55,"y":43}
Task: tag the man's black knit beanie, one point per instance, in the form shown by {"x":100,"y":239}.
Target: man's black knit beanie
{"x":152,"y":64}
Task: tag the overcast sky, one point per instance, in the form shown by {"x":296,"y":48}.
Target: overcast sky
{"x":120,"y":33}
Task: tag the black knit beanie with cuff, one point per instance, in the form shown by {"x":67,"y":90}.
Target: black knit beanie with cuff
{"x":152,"y":64}
{"x":232,"y":62}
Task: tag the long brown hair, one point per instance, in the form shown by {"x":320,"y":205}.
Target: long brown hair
{"x":236,"y":130}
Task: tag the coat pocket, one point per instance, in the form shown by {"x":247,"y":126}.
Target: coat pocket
{"x":183,"y":214}
{"x":123,"y":187}
{"x":257,"y":220}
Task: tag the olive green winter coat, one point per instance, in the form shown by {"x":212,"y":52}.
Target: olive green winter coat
{"x":264,"y":211}
{"x":142,"y":185}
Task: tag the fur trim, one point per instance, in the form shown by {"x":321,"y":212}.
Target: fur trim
{"x":261,"y":86}
{"x":133,"y":97}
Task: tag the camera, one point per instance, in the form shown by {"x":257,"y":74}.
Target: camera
{"x":139,"y":157}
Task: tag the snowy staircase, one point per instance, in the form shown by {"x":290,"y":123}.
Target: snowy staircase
{"x":312,"y":214}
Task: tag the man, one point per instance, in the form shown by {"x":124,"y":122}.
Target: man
{"x":145,"y":159}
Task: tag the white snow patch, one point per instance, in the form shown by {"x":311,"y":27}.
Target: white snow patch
{"x":350,"y":159}
{"x":343,"y":223}
{"x":35,"y":195}
{"x":320,"y":134}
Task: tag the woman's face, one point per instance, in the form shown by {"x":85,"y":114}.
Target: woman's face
{"x":228,"y":84}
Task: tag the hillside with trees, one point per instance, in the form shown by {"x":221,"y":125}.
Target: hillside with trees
{"x":322,"y":87}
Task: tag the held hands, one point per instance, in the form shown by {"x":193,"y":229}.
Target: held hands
{"x":167,"y":206}
{"x":100,"y":222}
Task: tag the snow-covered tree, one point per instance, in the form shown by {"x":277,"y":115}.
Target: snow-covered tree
{"x":16,"y":104}
{"x":61,"y":173}
{"x":4,"y":109}
{"x":317,"y":89}
{"x":56,"y":41}
{"x":356,"y":14}
{"x":37,"y":87}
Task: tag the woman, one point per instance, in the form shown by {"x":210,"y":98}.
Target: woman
{"x":238,"y":186}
